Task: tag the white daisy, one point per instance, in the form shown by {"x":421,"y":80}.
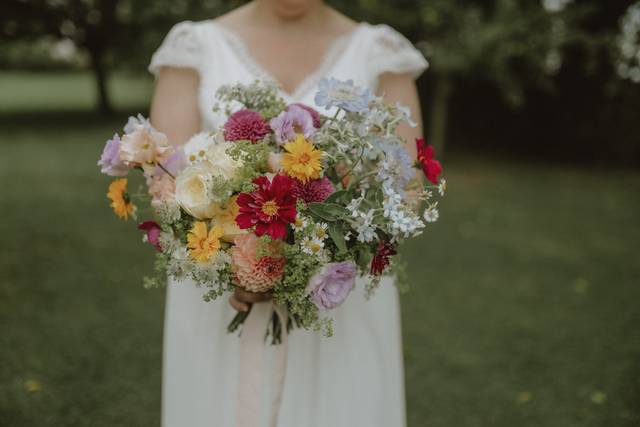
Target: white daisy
{"x":431,"y":214}
{"x":442,"y":187}
{"x":311,"y":246}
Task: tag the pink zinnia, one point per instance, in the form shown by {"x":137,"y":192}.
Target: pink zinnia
{"x":254,"y":273}
{"x":246,"y":125}
{"x":315,"y":191}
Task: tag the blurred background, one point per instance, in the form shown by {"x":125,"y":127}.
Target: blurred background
{"x":523,"y":308}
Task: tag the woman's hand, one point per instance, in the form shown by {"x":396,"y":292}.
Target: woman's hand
{"x":241,"y":300}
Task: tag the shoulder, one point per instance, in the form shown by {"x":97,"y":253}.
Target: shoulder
{"x":389,"y":51}
{"x":185,"y":46}
{"x":190,"y":33}
{"x":383,"y":36}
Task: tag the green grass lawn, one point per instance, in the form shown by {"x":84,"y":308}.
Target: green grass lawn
{"x":523,"y":309}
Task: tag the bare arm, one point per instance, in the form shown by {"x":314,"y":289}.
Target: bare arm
{"x":402,"y":88}
{"x":174,"y":109}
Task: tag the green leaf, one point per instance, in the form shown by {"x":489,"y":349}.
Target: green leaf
{"x":328,"y":211}
{"x":320,"y":211}
{"x":334,"y":197}
{"x":337,"y":235}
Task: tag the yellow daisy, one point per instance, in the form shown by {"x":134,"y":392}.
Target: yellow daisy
{"x":302,"y":159}
{"x":120,"y":202}
{"x":203,"y":244}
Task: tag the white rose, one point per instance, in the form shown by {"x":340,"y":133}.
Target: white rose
{"x":192,"y":190}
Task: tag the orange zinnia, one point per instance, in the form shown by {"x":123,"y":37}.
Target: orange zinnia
{"x":120,"y":201}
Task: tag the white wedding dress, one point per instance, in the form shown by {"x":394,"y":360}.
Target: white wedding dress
{"x":353,"y":379}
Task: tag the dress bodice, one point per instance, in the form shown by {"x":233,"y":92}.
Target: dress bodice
{"x":221,"y":57}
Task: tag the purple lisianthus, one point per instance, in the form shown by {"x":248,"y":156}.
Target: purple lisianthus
{"x":294,"y":120}
{"x":314,"y":114}
{"x":110,"y":161}
{"x":330,"y":286}
{"x":152,"y":233}
{"x":343,"y":94}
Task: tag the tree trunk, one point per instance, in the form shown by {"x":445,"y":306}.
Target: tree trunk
{"x":101,"y":77}
{"x":439,"y":113}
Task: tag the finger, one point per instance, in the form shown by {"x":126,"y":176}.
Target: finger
{"x":251,"y":297}
{"x":238,"y":305}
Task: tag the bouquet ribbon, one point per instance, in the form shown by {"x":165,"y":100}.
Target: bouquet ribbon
{"x":252,"y":369}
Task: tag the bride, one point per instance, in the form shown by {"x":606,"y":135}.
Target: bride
{"x":355,"y":378}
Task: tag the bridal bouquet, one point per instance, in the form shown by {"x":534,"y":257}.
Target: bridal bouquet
{"x":282,"y":198}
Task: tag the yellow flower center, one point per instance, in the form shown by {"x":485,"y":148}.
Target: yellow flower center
{"x":270,"y":208}
{"x":321,"y":233}
{"x":304,"y":158}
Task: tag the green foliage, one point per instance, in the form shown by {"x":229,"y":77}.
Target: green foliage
{"x":259,"y":96}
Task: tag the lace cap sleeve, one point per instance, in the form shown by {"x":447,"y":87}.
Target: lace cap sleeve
{"x":391,"y":52}
{"x":182,"y":47}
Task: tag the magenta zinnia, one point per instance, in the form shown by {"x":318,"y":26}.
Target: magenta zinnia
{"x":246,"y":125}
{"x":269,"y":208}
{"x":315,"y":191}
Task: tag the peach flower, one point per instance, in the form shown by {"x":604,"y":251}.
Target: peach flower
{"x":256,"y":266}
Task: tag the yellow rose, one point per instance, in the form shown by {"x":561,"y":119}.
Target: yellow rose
{"x":225,"y":218}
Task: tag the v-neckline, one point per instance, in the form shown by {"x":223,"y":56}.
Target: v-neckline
{"x":331,"y":56}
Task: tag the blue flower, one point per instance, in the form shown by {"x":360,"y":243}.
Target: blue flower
{"x":343,"y":94}
{"x":396,"y":169}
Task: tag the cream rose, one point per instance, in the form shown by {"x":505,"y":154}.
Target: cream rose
{"x":223,"y":164}
{"x":193,"y":190}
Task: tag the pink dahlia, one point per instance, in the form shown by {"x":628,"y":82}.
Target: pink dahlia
{"x":315,"y":191}
{"x":246,"y":125}
{"x":314,"y":114}
{"x":252,"y":272}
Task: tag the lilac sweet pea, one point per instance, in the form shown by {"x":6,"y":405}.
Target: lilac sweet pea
{"x":110,"y":162}
{"x":292,"y":121}
{"x":330,"y":286}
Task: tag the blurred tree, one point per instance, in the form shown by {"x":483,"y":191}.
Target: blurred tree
{"x":90,"y":24}
{"x":512,"y":43}
{"x":109,"y":31}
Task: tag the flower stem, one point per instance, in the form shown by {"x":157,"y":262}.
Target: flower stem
{"x":166,"y":171}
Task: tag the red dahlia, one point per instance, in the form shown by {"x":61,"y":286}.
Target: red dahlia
{"x":315,"y":191}
{"x":380,"y":260}
{"x":246,"y":125}
{"x":269,"y":208}
{"x":430,"y":166}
